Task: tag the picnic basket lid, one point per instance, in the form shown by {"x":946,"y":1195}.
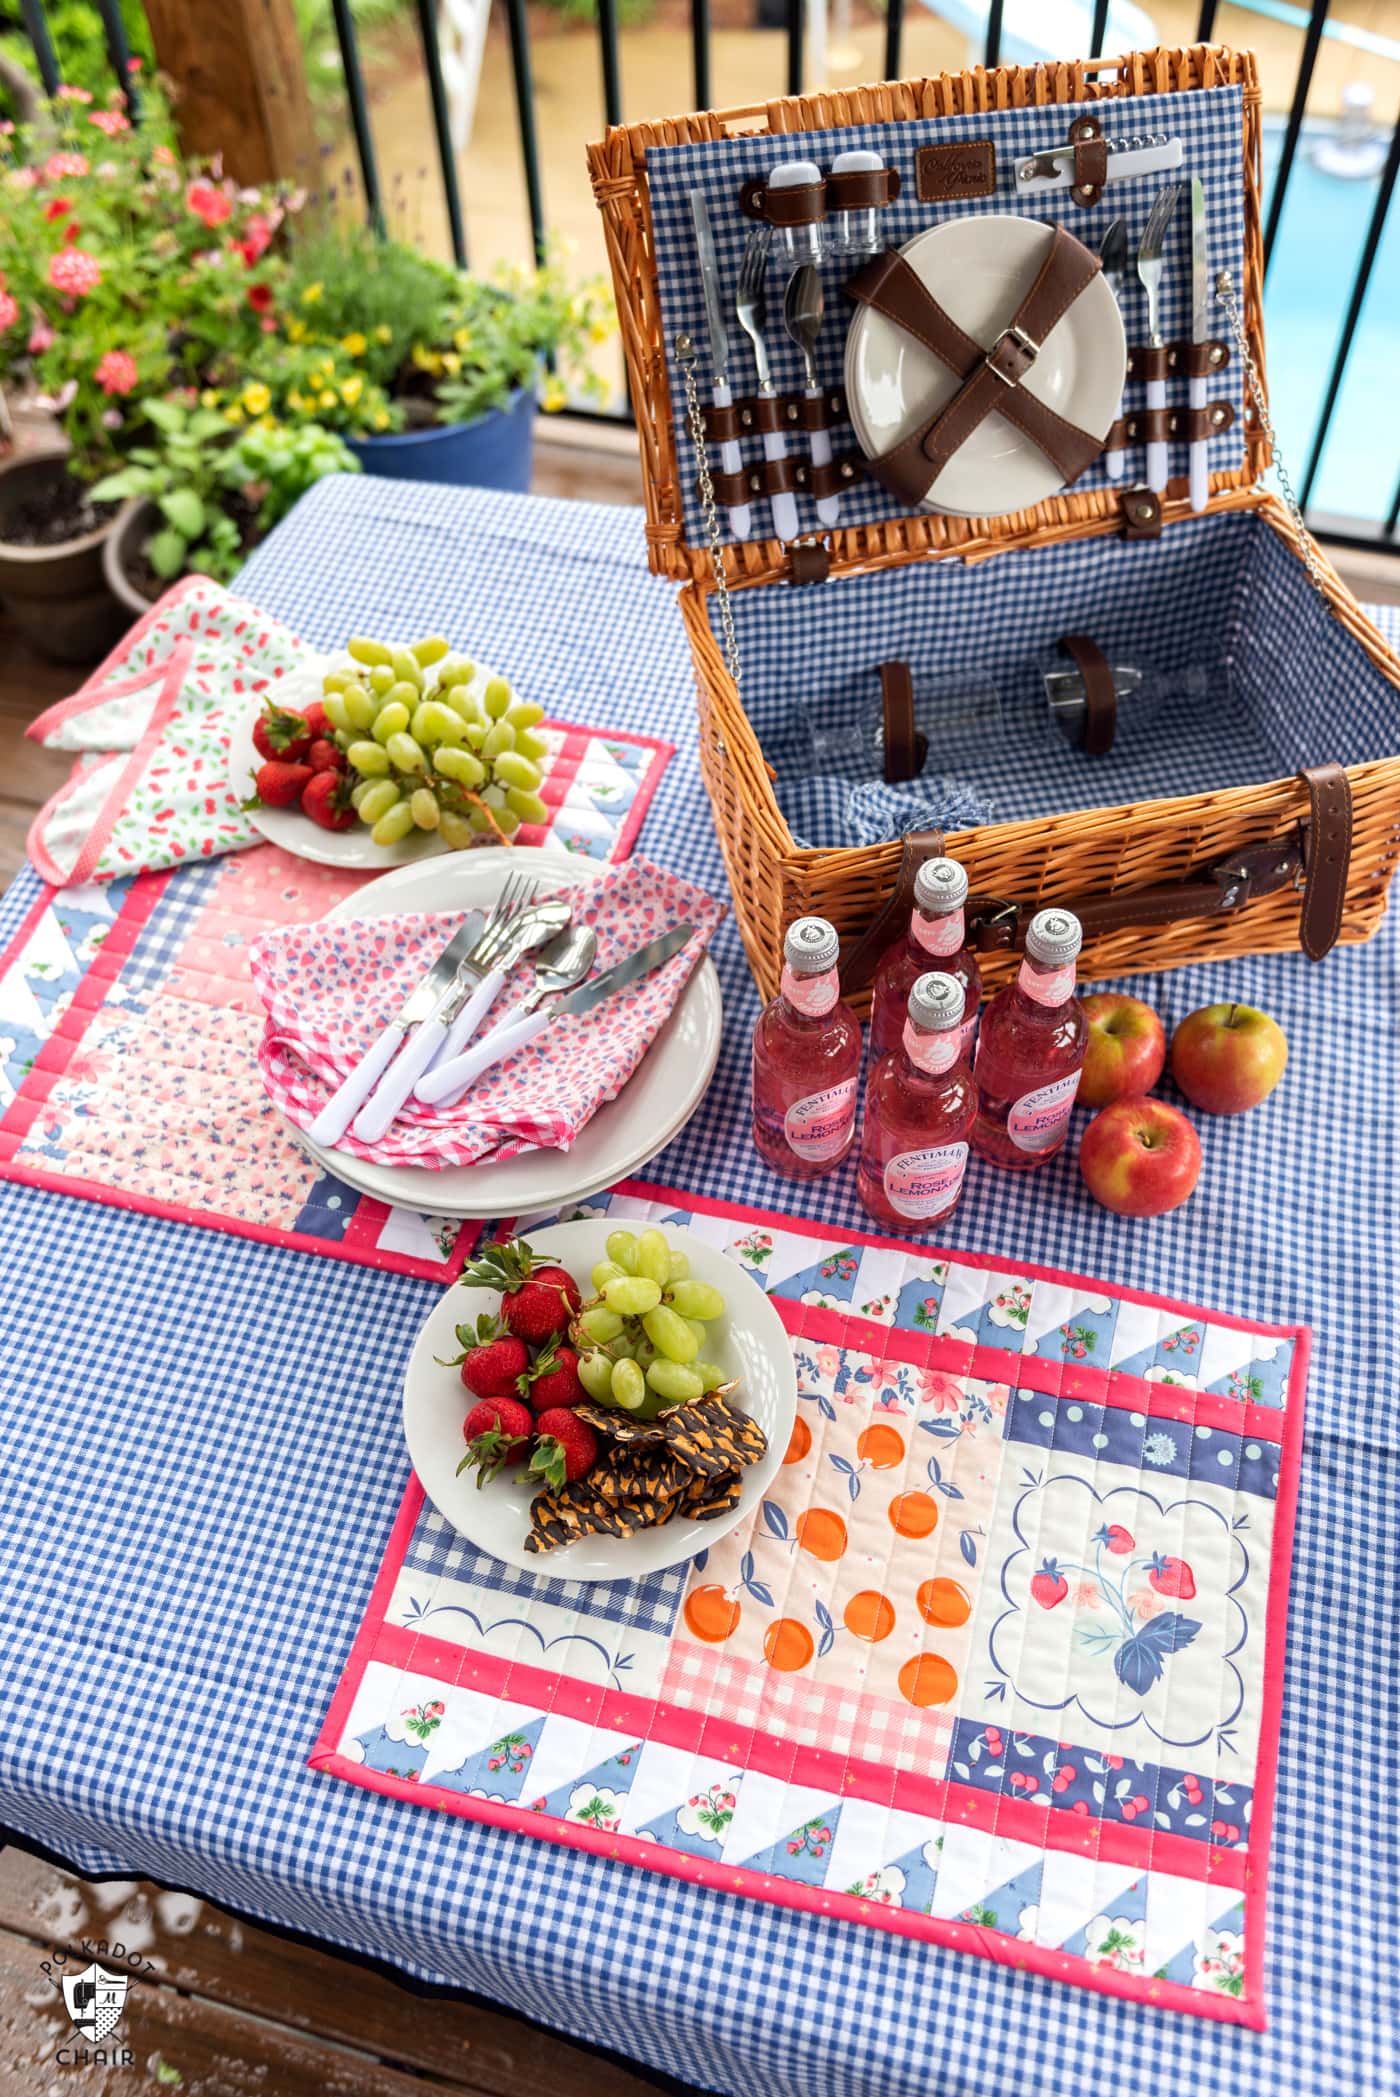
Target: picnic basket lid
{"x":618,"y":165}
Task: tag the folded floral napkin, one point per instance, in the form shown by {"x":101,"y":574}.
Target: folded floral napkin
{"x":152,"y":730}
{"x":330,"y":987}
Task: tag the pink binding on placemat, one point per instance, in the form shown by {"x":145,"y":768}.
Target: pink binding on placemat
{"x":650,"y":1718}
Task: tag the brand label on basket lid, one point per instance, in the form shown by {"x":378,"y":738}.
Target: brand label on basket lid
{"x":820,"y":1126}
{"x":925,"y":1182}
{"x":1047,"y":986}
{"x":941,"y":934}
{"x":1038,"y":1119}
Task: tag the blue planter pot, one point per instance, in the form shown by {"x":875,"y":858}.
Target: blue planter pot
{"x":492,"y":452}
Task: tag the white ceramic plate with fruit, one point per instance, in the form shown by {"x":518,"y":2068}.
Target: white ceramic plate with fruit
{"x":574,"y":1350}
{"x":654,"y":1105}
{"x":432,"y":753}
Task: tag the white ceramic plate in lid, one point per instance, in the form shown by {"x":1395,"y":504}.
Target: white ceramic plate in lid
{"x":749,"y":1340}
{"x":979,"y":270}
{"x":653,"y":1106}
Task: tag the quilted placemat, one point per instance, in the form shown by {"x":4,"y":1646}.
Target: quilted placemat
{"x":997,"y":1663}
{"x":129,"y":1031}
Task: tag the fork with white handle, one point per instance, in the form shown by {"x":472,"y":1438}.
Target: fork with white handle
{"x":751,"y":309}
{"x":1149,"y":269}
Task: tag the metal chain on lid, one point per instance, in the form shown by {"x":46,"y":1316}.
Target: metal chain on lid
{"x":1225,"y":292}
{"x":685,"y":357}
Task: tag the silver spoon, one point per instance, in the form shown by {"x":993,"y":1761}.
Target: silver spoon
{"x":562,"y":964}
{"x":804,"y":308}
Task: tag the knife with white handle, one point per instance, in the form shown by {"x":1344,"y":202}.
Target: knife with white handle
{"x":452,"y":1077}
{"x":739,"y":514}
{"x":1200,"y":310}
{"x":421,"y":1003}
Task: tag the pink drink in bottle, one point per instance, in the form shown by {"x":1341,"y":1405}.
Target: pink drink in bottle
{"x":936,"y":939}
{"x":806,"y":1060}
{"x":920,"y":1105}
{"x":1030,"y":1052}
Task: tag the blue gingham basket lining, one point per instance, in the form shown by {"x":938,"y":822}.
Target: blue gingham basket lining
{"x":1209,"y":122}
{"x":193,"y":1517}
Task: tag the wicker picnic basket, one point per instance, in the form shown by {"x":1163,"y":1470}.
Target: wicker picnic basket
{"x":1262,"y":866}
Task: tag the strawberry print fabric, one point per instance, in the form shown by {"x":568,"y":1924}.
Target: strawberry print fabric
{"x":330,"y":989}
{"x":152,"y":729}
{"x":996,"y":1662}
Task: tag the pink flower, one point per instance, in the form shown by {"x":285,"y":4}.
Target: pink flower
{"x":116,"y":372}
{"x":73,"y":94}
{"x":41,"y":337}
{"x":944,"y":1392}
{"x":9,"y":311}
{"x":257,"y":238}
{"x":208,"y":203}
{"x":75,"y":272}
{"x":828,"y":1361}
{"x":1144,"y":1603}
{"x":63,"y":167}
{"x":164,"y":156}
{"x":112,"y":121}
{"x":111,"y":418}
{"x":1086,"y":1594}
{"x":23,"y":178}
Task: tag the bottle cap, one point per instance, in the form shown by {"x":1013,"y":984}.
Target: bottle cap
{"x":940,"y":884}
{"x":810,"y":946}
{"x":936,"y":1001}
{"x":856,"y":161}
{"x":793,"y":174}
{"x":1054,"y":937}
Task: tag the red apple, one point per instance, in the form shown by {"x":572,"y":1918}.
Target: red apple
{"x":1140,"y":1157}
{"x":1127,"y":1048}
{"x":1227,"y":1058}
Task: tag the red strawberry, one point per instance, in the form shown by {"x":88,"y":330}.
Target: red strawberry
{"x":318,"y":721}
{"x":326,"y":800}
{"x":278,"y":733}
{"x":1049,"y":1586}
{"x":537,"y":1298}
{"x":492,"y":1362}
{"x":278,"y":784}
{"x":1114,"y":1537}
{"x":497,"y":1432}
{"x":325,"y":756}
{"x":567,"y":1447}
{"x":554,"y":1379}
{"x":1171,"y":1576}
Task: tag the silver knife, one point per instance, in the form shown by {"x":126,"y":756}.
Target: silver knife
{"x":1200,"y":321}
{"x":731,"y":458}
{"x":420,"y":1004}
{"x":452,"y":1077}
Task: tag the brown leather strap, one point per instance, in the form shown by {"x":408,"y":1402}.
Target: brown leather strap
{"x":1100,"y":699}
{"x":862,"y":189}
{"x":995,"y":926}
{"x":766,"y":414}
{"x":808,"y":562}
{"x":1150,"y":362}
{"x":905,"y":748}
{"x":723,"y":425}
{"x":1142,"y":513}
{"x":1193,"y":359}
{"x":801,"y":205}
{"x":991,"y":378}
{"x":860,"y":964}
{"x":775,"y":411}
{"x":1181,"y":425}
{"x":821,"y":481}
{"x":1090,"y":160}
{"x":1327,"y":860}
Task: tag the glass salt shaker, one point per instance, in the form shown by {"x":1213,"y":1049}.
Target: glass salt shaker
{"x":797,"y":244}
{"x":857,"y":232}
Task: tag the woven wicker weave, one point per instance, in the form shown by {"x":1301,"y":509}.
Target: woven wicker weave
{"x":1093,"y":851}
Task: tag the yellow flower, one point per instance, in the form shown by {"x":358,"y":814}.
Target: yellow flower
{"x":600,"y":331}
{"x":354,"y":345}
{"x":296,"y":401}
{"x":209,"y":398}
{"x":351,"y":389}
{"x":383,"y":333}
{"x":554,"y":397}
{"x":269,"y":423}
{"x":328,"y":399}
{"x":256,"y":398}
{"x":380,"y":418}
{"x":426,"y":359}
{"x":233,"y":413}
{"x":311,"y":294}
{"x":451,"y":362}
{"x":462,"y":340}
{"x":296,"y":330}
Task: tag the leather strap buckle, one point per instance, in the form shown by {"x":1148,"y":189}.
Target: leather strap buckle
{"x":1012,"y":355}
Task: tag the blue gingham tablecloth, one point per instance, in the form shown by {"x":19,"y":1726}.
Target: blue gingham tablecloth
{"x":201,"y":1458}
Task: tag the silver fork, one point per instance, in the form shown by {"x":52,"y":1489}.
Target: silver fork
{"x":751,"y":311}
{"x":1149,"y":269}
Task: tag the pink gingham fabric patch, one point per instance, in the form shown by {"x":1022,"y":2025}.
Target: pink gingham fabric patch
{"x":329,"y":988}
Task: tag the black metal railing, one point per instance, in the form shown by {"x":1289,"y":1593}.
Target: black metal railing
{"x":1313,"y":22}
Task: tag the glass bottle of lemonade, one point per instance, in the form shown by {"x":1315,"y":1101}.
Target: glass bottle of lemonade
{"x":1030,"y":1052}
{"x":920,"y":1104}
{"x":806,"y":1060}
{"x":936,"y":939}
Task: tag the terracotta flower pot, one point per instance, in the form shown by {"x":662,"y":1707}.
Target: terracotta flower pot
{"x":121,"y":555}
{"x":57,"y":596}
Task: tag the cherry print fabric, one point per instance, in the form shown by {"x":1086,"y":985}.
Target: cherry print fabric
{"x":330,"y":988}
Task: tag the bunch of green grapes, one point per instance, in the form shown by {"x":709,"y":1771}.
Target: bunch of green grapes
{"x":642,"y":1338}
{"x":437,"y":743}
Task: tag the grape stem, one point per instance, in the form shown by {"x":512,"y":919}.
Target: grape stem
{"x":488,"y":811}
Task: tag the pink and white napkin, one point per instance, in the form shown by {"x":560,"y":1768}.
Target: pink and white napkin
{"x":329,"y":988}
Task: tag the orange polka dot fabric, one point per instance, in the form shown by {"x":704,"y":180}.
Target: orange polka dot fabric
{"x":993,"y":1659}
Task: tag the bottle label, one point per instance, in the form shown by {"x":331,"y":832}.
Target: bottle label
{"x":1037,"y":1121}
{"x":820,"y":1125}
{"x":814,"y":996}
{"x":942,"y":934}
{"x":925,"y":1182}
{"x":934,"y":1051}
{"x":1047,"y":986}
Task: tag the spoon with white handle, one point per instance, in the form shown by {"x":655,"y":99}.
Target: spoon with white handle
{"x":563,"y":963}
